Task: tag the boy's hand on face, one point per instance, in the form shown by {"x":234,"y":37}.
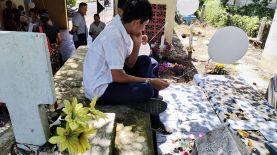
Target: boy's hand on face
{"x":137,"y":39}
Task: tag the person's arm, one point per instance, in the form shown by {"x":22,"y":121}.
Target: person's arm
{"x":92,"y":34}
{"x":90,"y":30}
{"x":73,"y":30}
{"x":59,"y":38}
{"x":120,"y":77}
{"x":131,"y":60}
{"x":76,"y":21}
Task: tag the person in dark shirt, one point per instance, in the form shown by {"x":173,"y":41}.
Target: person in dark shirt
{"x":51,"y":31}
{"x":23,"y":19}
{"x":53,"y":39}
{"x":10,"y":15}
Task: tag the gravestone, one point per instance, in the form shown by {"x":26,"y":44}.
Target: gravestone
{"x":26,"y":84}
{"x":219,"y":141}
{"x":269,"y":55}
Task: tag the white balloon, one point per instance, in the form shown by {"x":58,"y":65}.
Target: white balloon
{"x":144,"y":49}
{"x":187,"y":7}
{"x":228,"y":45}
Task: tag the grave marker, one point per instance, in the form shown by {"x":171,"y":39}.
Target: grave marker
{"x":26,"y":84}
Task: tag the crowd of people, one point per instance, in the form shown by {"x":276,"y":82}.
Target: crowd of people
{"x":37,"y":20}
{"x":16,"y":19}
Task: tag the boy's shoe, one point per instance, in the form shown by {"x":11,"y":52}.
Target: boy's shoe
{"x":152,"y":106}
{"x":160,"y":97}
{"x":160,"y":128}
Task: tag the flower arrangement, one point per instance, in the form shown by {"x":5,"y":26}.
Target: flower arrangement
{"x":176,"y":69}
{"x":158,"y":53}
{"x":73,"y":132}
{"x":219,"y":69}
{"x":184,"y":146}
{"x":164,"y":67}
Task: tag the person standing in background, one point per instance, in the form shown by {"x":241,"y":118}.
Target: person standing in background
{"x":10,"y":15}
{"x":96,"y":27}
{"x":79,"y":29}
{"x":33,"y":20}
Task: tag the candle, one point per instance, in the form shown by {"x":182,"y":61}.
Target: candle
{"x":162,"y":41}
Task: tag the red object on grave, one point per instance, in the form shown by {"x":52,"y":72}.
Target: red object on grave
{"x":56,"y":105}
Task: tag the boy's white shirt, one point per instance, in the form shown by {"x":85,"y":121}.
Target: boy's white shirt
{"x":109,"y":51}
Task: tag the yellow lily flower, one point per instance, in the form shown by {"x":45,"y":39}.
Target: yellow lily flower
{"x":220,"y":66}
{"x":77,"y":115}
{"x":84,"y":139}
{"x":66,"y":139}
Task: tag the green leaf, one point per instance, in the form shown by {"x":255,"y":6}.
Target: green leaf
{"x":60,"y":131}
{"x":93,"y":102}
{"x":54,"y":140}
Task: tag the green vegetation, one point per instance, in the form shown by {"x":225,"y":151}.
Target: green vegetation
{"x":71,"y":2}
{"x":249,"y":24}
{"x":216,"y":14}
{"x":248,"y":17}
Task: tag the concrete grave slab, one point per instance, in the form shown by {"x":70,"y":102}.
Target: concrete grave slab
{"x":189,"y":113}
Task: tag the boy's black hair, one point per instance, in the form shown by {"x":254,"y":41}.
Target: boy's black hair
{"x":82,"y":4}
{"x":121,"y":4}
{"x":137,"y":9}
{"x":96,"y":15}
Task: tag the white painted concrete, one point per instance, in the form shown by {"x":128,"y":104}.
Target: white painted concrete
{"x":25,"y":84}
{"x":270,"y":50}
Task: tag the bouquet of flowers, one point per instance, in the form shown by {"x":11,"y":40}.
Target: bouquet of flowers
{"x":219,"y":69}
{"x":159,"y":52}
{"x":176,"y":69}
{"x":72,"y":128}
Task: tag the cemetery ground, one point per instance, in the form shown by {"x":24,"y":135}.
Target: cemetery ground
{"x":249,"y":67}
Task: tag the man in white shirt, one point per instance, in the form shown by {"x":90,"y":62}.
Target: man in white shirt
{"x":96,"y":27}
{"x":155,"y":64}
{"x":79,"y":28}
{"x":113,"y":49}
{"x":138,"y":70}
{"x":104,"y":76}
